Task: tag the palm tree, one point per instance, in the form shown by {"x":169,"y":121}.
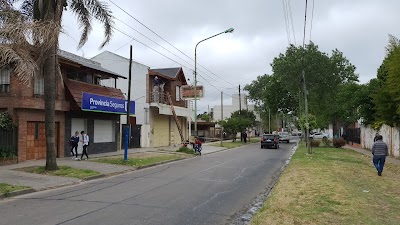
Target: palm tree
{"x":29,"y":40}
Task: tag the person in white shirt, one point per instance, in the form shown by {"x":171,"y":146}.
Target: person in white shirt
{"x":85,"y":144}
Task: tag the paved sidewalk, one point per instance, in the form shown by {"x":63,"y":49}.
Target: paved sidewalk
{"x":41,"y":182}
{"x":368,"y":153}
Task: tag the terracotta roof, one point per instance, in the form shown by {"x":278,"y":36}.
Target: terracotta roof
{"x":76,"y":88}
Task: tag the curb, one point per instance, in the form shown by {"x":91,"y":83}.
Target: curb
{"x":94,"y":177}
{"x":16,"y":193}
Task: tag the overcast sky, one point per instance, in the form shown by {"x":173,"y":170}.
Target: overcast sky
{"x":358,"y":28}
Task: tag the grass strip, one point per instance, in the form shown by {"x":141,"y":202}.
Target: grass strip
{"x":333,"y":186}
{"x":143,"y":161}
{"x":63,"y":171}
{"x":7,"y":188}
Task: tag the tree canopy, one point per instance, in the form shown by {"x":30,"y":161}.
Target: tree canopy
{"x":325,"y":76}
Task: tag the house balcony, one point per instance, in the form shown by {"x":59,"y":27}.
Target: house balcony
{"x":160,"y":101}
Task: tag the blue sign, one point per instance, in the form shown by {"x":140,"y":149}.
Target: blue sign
{"x":98,"y":103}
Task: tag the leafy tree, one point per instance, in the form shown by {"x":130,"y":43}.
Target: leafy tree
{"x":205,"y":116}
{"x":312,"y":122}
{"x":324,"y":75}
{"x":269,"y":92}
{"x":386,"y":97}
{"x":238,"y":122}
{"x":43,"y":20}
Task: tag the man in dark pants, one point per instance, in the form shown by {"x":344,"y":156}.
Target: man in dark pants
{"x":379,"y":152}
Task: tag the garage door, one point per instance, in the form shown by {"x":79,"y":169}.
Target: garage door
{"x":161,"y":131}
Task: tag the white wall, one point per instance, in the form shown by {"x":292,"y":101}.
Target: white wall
{"x":229,"y":109}
{"x":120,"y":65}
{"x":391,"y":136}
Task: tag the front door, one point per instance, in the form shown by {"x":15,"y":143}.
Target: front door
{"x":134,"y":141}
{"x":36,"y":140}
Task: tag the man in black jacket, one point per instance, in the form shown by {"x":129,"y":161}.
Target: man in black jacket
{"x":379,"y":152}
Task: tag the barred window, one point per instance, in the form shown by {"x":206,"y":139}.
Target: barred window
{"x":4,"y":80}
{"x":39,"y":85}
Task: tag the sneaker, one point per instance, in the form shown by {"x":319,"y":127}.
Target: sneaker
{"x":73,"y":158}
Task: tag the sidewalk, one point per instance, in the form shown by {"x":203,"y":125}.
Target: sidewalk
{"x":368,"y":153}
{"x":42,"y":182}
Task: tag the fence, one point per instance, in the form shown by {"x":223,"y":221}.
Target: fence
{"x":8,"y":143}
{"x":353,"y":135}
{"x":391,"y":136}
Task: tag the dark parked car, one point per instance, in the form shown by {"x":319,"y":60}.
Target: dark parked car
{"x":270,"y":140}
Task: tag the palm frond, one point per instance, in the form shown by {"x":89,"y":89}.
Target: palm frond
{"x":84,"y":20}
{"x":21,"y":59}
{"x":85,"y":10}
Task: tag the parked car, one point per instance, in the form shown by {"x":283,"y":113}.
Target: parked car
{"x":319,"y":136}
{"x":270,"y":140}
{"x":284,"y":136}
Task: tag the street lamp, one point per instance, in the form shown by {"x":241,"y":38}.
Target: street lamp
{"x":230,"y":30}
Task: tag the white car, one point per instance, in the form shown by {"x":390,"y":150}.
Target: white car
{"x":284,"y":136}
{"x":319,"y":136}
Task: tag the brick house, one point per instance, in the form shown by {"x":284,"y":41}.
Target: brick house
{"x":25,"y":103}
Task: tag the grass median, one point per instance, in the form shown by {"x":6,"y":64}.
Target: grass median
{"x":8,"y":188}
{"x":139,"y":159}
{"x":63,"y":171}
{"x":333,"y":186}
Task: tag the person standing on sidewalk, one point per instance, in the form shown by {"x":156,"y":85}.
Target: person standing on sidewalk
{"x":74,"y":145}
{"x":379,"y":152}
{"x":85,"y":144}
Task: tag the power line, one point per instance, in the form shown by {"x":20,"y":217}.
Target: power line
{"x":165,"y":40}
{"x":165,"y":56}
{"x":291,"y":19}
{"x":305,"y":24}
{"x":312,"y":17}
{"x":286,"y":21}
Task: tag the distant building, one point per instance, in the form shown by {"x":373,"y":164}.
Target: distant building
{"x":236,"y":106}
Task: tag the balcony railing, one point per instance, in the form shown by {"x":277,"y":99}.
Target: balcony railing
{"x":162,"y":98}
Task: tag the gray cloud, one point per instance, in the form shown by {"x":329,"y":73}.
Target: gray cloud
{"x":358,"y":28}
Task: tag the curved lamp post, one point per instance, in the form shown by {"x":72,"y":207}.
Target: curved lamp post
{"x":230,"y":30}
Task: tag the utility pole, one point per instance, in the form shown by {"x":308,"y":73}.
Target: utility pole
{"x":127,"y":128}
{"x":269,"y":121}
{"x":240,"y":101}
{"x":222,"y":116}
{"x":306,"y":113}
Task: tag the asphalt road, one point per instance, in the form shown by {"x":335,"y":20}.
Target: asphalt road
{"x":204,"y":190}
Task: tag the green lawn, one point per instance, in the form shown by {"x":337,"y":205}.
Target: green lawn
{"x":7,"y":188}
{"x":64,"y":171}
{"x":333,"y":186}
{"x":137,"y":162}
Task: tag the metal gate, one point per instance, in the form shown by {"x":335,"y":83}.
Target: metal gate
{"x":134,"y":141}
{"x":353,"y":135}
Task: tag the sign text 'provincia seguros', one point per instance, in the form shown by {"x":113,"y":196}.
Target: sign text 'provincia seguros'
{"x":99,"y":103}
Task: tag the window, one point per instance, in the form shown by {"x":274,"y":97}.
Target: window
{"x":39,"y":85}
{"x":178,"y":93}
{"x":4,"y":80}
{"x":96,"y":80}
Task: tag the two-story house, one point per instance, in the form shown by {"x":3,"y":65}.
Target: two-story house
{"x":79,"y":81}
{"x":154,"y":116}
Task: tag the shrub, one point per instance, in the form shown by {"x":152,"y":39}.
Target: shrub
{"x":185,"y":149}
{"x":315,"y":143}
{"x":6,"y":121}
{"x":338,"y":142}
{"x":7,"y":152}
{"x":327,"y":142}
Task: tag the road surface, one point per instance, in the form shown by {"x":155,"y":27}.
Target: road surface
{"x":204,"y":190}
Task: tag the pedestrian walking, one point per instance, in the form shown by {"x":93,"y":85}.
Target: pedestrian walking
{"x":74,"y":145}
{"x":245,"y":137}
{"x":376,"y":135}
{"x":85,"y":144}
{"x":379,"y":152}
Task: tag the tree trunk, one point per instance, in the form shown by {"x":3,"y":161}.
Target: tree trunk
{"x":49,"y":70}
